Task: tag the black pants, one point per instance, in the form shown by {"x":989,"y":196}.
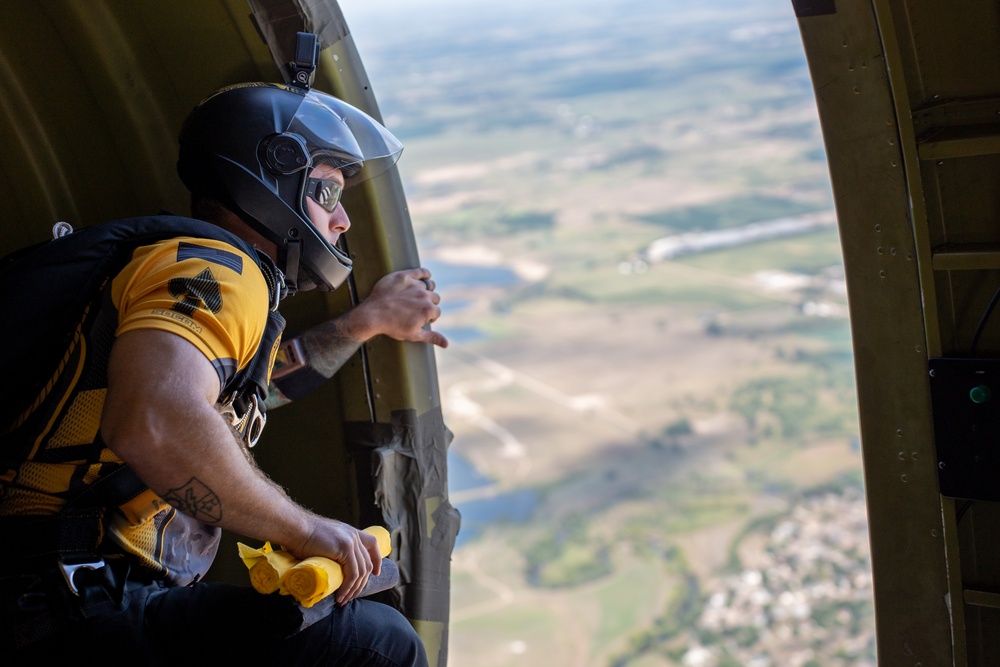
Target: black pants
{"x":205,"y":624}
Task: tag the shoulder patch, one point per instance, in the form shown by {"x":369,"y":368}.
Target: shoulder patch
{"x":224,"y":258}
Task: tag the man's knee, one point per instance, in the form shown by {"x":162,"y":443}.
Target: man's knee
{"x":393,"y":636}
{"x":363,"y":632}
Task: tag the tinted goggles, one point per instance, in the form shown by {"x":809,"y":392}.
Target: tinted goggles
{"x":324,"y":191}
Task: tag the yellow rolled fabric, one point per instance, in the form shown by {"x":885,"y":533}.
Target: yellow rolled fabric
{"x":312,"y":579}
{"x":384,"y":540}
{"x":267,"y":573}
{"x":266,"y":566}
{"x":309,"y":580}
{"x":249,"y":555}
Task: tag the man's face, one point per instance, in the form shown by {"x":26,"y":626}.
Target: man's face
{"x":331,"y":224}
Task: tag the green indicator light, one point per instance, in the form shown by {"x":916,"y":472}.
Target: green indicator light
{"x":980,"y":394}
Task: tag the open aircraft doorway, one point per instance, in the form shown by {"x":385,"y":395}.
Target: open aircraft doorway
{"x":642,"y":188}
{"x":650,"y":380}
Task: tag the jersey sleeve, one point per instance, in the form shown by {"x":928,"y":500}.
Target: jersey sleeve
{"x":205,"y":291}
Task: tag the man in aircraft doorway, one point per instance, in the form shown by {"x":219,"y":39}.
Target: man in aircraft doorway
{"x":133,"y":464}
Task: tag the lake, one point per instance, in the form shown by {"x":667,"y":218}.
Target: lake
{"x":509,"y":506}
{"x":448,"y":276}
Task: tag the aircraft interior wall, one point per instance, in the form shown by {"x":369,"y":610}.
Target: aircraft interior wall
{"x":909,"y":100}
{"x":92,"y":95}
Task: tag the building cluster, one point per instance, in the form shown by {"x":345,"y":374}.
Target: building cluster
{"x":805,"y":600}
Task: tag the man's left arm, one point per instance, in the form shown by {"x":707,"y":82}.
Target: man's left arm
{"x":401,"y":305}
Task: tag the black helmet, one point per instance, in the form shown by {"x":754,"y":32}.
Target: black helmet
{"x":251,"y":146}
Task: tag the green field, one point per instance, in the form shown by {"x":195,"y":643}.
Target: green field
{"x":668,"y":416}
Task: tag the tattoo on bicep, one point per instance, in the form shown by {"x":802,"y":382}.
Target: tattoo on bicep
{"x":196,"y":500}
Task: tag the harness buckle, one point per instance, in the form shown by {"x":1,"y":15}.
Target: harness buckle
{"x":69,"y":569}
{"x":251,"y":423}
{"x":255,"y":420}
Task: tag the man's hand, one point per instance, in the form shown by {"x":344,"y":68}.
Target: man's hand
{"x":400,"y":306}
{"x":355,"y":550}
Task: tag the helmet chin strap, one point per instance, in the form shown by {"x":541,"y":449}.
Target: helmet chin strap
{"x":293,"y":253}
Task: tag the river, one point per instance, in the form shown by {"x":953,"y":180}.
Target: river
{"x":507,"y":506}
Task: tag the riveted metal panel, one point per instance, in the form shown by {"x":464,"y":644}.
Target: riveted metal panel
{"x":909,"y":98}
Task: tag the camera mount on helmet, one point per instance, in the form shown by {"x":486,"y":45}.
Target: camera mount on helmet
{"x":300,"y":71}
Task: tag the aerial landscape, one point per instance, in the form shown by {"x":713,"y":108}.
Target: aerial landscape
{"x":627,"y":211}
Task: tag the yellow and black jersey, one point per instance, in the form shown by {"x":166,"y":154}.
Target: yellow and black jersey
{"x":206,"y":291}
{"x":201,"y":290}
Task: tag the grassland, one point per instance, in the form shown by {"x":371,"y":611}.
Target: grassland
{"x":666,"y":415}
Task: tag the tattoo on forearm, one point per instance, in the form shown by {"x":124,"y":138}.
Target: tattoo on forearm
{"x":275,"y":399}
{"x":328,"y":347}
{"x":196,"y":500}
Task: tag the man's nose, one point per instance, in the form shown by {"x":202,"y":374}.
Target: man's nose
{"x":339,"y":222}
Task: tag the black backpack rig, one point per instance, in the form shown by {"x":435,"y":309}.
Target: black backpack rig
{"x":45,"y":290}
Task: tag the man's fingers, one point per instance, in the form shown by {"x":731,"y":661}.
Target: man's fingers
{"x":359,"y":585}
{"x":349,"y":568}
{"x":356,"y":586}
{"x":357,"y":567}
{"x":376,"y":556}
{"x":433,"y":337}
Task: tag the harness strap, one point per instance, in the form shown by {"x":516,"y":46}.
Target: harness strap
{"x":76,"y":531}
{"x":36,"y":538}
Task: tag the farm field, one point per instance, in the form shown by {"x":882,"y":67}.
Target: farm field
{"x":649,"y":452}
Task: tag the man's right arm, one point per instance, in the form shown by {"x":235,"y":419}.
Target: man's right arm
{"x":160,"y":418}
{"x":401,"y":305}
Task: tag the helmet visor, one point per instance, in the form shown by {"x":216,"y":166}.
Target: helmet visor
{"x":342,"y":136}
